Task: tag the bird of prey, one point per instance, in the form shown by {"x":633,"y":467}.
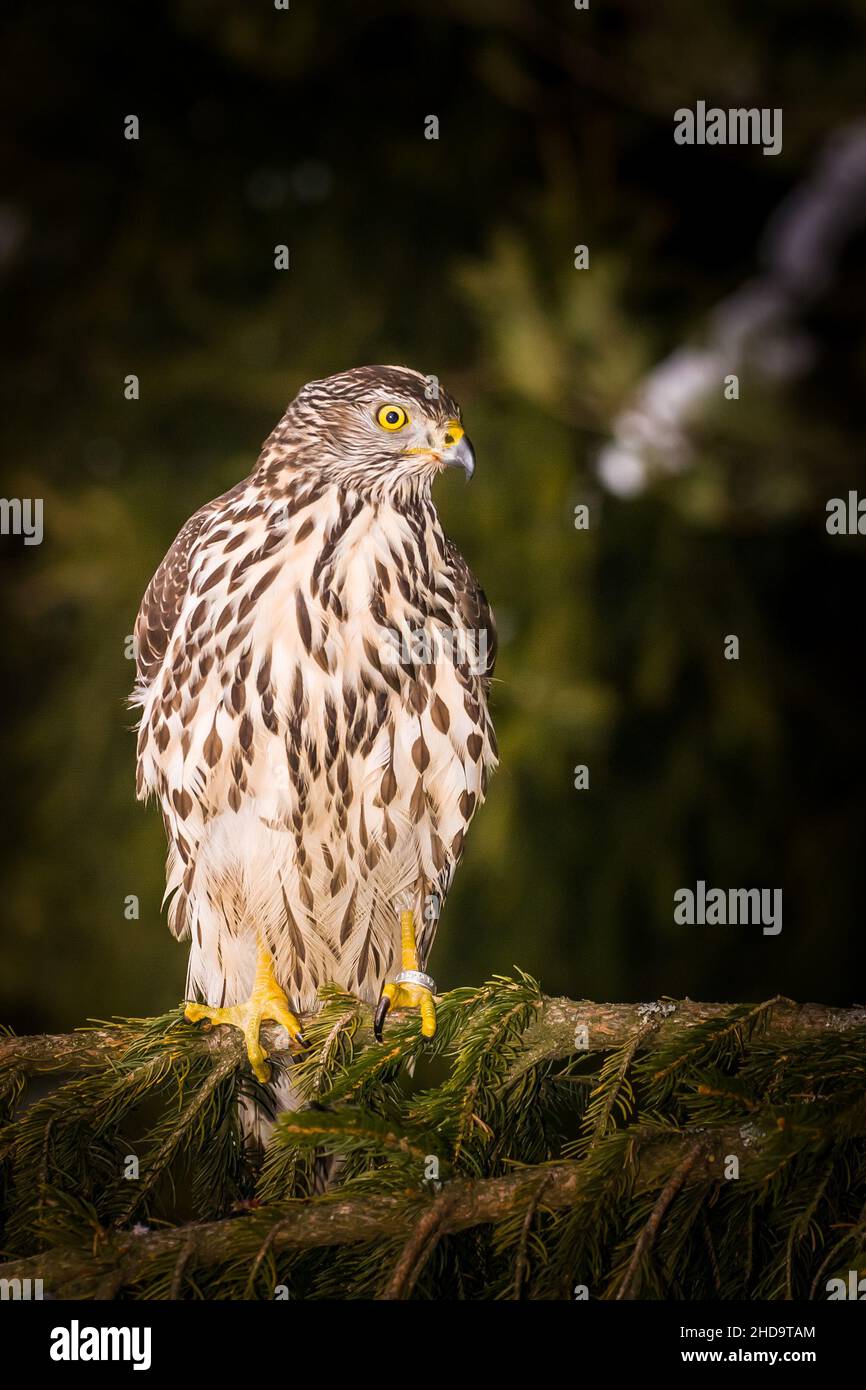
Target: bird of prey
{"x":314,"y":661}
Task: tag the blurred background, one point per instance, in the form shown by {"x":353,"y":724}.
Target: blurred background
{"x":602,"y":387}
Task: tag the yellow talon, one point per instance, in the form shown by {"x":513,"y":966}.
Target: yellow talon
{"x":267,"y":1001}
{"x":404,"y":994}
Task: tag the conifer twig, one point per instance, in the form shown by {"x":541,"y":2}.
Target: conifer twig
{"x":418,"y":1248}
{"x":644,"y":1241}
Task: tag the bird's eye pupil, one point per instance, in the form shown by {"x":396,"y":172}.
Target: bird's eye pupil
{"x":392,"y":417}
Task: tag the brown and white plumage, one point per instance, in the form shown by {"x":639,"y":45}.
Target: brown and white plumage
{"x":313,"y":788}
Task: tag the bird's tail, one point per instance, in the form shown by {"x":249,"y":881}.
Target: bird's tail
{"x":259,"y":1113}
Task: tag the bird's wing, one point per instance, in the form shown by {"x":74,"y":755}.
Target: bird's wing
{"x":164,"y":596}
{"x":162,"y":602}
{"x":474,"y":609}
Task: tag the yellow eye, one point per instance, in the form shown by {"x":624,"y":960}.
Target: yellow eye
{"x":392,"y":417}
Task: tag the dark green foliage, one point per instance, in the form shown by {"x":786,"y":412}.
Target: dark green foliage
{"x":603,"y":1170}
{"x":161,"y":1103}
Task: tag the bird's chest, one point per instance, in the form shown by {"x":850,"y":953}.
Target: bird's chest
{"x":362,"y":597}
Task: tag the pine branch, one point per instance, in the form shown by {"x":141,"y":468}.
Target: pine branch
{"x":551,"y":1036}
{"x":534,"y":1142}
{"x":337,"y":1221}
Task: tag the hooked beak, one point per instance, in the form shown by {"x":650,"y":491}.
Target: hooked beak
{"x":458,"y":452}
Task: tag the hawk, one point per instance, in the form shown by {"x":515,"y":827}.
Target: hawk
{"x":314,"y":663}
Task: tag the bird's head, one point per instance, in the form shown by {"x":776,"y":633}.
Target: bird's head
{"x":376,"y":430}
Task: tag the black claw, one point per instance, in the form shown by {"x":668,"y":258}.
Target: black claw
{"x":382,"y":1008}
{"x":301,"y":1040}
